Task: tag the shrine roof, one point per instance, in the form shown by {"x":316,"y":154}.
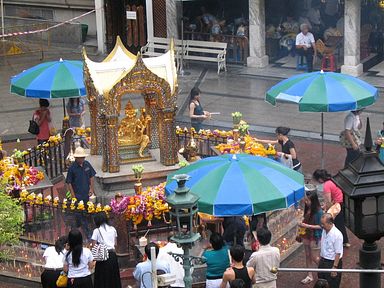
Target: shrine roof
{"x":106,"y":74}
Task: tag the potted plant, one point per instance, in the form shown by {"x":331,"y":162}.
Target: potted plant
{"x":243,"y":128}
{"x":236,"y":118}
{"x":138,"y":170}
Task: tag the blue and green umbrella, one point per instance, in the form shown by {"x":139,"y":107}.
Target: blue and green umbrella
{"x":236,"y":185}
{"x":50,"y":80}
{"x":57,"y":79}
{"x":323,"y":92}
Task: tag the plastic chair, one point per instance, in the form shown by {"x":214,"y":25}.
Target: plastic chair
{"x":328,"y":63}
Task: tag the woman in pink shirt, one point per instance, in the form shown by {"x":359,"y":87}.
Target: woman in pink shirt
{"x":42,"y":116}
{"x":332,"y":195}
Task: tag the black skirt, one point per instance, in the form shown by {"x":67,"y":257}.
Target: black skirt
{"x":107,"y":273}
{"x":49,"y":278}
{"x":81,"y":282}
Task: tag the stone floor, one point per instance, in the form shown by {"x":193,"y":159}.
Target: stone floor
{"x":240,"y":89}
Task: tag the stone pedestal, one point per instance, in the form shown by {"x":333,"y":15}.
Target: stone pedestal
{"x":257,"y":57}
{"x":130,"y":154}
{"x":352,"y":15}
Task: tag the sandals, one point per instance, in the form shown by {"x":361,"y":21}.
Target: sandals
{"x":307,"y":280}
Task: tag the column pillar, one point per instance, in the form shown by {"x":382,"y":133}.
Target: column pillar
{"x":167,"y":135}
{"x":100,"y":26}
{"x":257,"y":56}
{"x":171,"y":10}
{"x":352,"y":23}
{"x":149,"y":13}
{"x":112,"y":144}
{"x":93,"y":115}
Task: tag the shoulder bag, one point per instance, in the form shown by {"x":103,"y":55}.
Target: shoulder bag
{"x":33,"y":126}
{"x":62,"y":281}
{"x":100,"y":251}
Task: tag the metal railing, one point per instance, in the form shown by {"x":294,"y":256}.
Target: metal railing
{"x":204,"y":143}
{"x":50,"y":156}
{"x":46,"y":223}
{"x":275,"y":270}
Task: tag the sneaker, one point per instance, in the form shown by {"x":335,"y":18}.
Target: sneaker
{"x":307,"y":280}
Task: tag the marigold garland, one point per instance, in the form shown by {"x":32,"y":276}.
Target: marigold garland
{"x":72,"y":204}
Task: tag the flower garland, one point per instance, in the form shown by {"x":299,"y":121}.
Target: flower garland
{"x":251,"y":147}
{"x":148,"y":205}
{"x":15,"y":176}
{"x":73,"y":204}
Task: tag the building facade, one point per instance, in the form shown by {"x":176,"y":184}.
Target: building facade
{"x":253,"y":29}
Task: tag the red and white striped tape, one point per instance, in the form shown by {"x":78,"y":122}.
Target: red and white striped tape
{"x":46,"y":29}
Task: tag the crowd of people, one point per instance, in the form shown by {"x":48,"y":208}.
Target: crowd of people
{"x":71,"y":257}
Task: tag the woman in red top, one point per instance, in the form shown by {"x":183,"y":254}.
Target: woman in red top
{"x":332,"y":195}
{"x":42,"y":116}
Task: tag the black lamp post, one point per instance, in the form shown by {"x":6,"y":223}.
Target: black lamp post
{"x":362,"y":182}
{"x":183,"y":208}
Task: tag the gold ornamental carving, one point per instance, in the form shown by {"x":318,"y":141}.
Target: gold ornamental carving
{"x":155,"y":121}
{"x":133,"y":130}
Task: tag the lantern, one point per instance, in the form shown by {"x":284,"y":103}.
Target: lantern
{"x":183,"y":206}
{"x":362,"y":182}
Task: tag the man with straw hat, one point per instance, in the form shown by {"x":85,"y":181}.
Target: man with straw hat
{"x":81,"y":184}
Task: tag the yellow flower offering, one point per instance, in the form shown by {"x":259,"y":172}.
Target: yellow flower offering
{"x":47,"y":200}
{"x":98,"y":208}
{"x":64,"y":204}
{"x":91,"y":207}
{"x":80,"y":205}
{"x":39,"y":199}
{"x":56,"y":201}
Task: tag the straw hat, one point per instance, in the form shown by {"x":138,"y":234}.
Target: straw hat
{"x":80,"y":153}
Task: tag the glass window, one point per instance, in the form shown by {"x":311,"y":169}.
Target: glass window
{"x":369,"y":206}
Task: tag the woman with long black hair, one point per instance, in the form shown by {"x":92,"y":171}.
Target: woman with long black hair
{"x":288,"y":149}
{"x":332,"y":195}
{"x":54,"y":259}
{"x":107,"y":273}
{"x":196,"y":111}
{"x":312,"y":236}
{"x":78,"y":262}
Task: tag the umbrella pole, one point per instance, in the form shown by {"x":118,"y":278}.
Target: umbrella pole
{"x":64,"y":107}
{"x":322,"y":140}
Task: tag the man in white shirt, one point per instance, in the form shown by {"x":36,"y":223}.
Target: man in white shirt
{"x":352,"y":126}
{"x":305,"y":45}
{"x":263,"y":260}
{"x":331,"y":252}
{"x":143,"y":274}
{"x":176,"y":267}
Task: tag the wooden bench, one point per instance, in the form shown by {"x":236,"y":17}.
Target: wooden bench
{"x":190,"y":49}
{"x":207,"y":51}
{"x":158,"y":46}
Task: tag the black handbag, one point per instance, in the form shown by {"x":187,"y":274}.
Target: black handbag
{"x":33,"y":127}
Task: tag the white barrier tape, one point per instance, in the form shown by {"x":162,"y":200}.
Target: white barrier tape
{"x":46,"y":29}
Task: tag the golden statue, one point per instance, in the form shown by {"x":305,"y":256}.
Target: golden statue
{"x":134,"y":131}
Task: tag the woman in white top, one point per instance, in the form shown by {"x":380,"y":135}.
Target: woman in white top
{"x":54,"y":260}
{"x":78,"y":262}
{"x":107,"y":273}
